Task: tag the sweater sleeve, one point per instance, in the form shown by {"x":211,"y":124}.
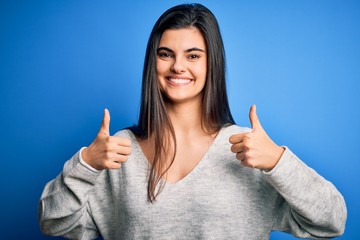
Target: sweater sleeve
{"x":63,"y":207}
{"x":311,"y":207}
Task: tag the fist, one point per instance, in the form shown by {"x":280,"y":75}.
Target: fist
{"x":255,"y":149}
{"x":107,"y":152}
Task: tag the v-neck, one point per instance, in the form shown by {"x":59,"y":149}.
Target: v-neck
{"x":193,"y":172}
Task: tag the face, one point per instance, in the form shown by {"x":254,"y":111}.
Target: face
{"x":181,"y":64}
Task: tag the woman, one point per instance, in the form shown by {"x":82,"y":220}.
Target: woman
{"x":186,"y":171}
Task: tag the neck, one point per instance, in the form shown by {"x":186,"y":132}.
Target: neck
{"x":186,"y":117}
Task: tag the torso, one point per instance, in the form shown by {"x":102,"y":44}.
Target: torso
{"x":208,"y":199}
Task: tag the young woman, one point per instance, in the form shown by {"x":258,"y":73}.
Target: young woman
{"x":186,"y":171}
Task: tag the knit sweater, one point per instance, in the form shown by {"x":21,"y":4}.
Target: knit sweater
{"x":218,"y":199}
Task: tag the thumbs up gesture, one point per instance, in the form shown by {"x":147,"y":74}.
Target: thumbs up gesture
{"x":255,"y":149}
{"x":107,"y":152}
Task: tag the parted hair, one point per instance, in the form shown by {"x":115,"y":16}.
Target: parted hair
{"x":153,"y":119}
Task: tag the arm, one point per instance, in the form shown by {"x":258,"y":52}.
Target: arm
{"x":63,"y":207}
{"x":312,"y":206}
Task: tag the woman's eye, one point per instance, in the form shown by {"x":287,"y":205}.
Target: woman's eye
{"x":165,"y":55}
{"x":193,"y":56}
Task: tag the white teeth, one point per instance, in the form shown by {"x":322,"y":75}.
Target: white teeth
{"x":178,"y":80}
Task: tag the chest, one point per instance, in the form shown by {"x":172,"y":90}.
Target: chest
{"x":189,"y":153}
{"x":215,"y":199}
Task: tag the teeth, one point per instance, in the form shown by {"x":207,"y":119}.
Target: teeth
{"x":178,"y":80}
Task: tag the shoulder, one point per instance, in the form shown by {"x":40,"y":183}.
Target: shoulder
{"x":126,"y":133}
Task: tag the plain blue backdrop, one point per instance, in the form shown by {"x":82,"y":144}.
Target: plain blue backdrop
{"x":63,"y":62}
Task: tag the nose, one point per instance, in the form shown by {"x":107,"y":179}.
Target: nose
{"x":178,"y":66}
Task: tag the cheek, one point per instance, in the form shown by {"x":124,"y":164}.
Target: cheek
{"x":161,"y":67}
{"x":201,"y":71}
{"x":160,"y":73}
{"x":202,"y":67}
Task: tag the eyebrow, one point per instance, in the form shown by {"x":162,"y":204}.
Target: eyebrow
{"x":187,"y":50}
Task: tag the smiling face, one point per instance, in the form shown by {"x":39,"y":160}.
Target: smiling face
{"x":181,"y":64}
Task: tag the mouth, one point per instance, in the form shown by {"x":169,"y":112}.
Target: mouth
{"x":178,"y":81}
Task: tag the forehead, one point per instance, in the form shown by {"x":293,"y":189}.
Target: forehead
{"x":182,"y":39}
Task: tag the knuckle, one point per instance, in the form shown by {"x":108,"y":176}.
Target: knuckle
{"x":124,"y":142}
{"x":107,"y":148}
{"x":127,"y":142}
{"x":126,"y":151}
{"x":247,"y":155}
{"x":108,"y":155}
{"x":116,"y":165}
{"x":251,"y":165}
{"x":248,"y":137}
{"x":106,"y":139}
{"x":129,"y":151}
{"x":248,"y":145}
{"x":107,"y":165}
{"x":123,"y":159}
{"x":233,"y":139}
{"x":245,"y":142}
{"x":248,"y":163}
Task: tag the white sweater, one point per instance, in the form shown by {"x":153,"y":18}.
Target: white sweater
{"x":219,"y":199}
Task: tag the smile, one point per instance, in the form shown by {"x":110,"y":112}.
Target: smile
{"x":178,"y":81}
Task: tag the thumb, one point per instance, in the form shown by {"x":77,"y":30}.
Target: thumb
{"x":254,"y":120}
{"x":105,"y":125}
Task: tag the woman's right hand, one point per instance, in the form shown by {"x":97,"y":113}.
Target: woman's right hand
{"x":107,"y":152}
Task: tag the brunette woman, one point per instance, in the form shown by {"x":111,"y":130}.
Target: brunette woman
{"x":186,"y":170}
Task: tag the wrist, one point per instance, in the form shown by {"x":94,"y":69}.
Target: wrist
{"x":84,"y":156}
{"x":278,"y":152}
{"x":83,"y":152}
{"x":281,"y":151}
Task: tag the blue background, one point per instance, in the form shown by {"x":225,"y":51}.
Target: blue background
{"x":63,"y":62}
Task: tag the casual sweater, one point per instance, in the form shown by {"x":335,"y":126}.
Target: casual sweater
{"x":218,"y":199}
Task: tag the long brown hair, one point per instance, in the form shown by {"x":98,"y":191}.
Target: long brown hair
{"x":153,"y":120}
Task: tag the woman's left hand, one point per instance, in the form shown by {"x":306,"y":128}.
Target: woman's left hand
{"x":255,"y":149}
